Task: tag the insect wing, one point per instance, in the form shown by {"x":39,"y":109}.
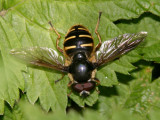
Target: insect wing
{"x":118,"y":46}
{"x":40,"y":56}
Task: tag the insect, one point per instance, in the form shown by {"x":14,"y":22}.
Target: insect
{"x":81,"y":57}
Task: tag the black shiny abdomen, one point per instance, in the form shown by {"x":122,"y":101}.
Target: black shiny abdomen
{"x":78,"y":39}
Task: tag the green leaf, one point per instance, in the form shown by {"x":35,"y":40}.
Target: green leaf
{"x":154,"y":114}
{"x":31,"y":112}
{"x":155,"y":92}
{"x":107,"y":76}
{"x":140,"y":94}
{"x":133,"y":94}
{"x":5,"y":5}
{"x":34,"y":112}
{"x":13,"y":114}
{"x":10,"y":74}
{"x":26,"y":25}
{"x":40,"y":84}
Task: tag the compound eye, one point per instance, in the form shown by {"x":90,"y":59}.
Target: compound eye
{"x":89,"y":86}
{"x":77,"y":87}
{"x":84,"y":88}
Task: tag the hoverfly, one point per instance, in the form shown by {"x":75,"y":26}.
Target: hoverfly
{"x":81,"y":57}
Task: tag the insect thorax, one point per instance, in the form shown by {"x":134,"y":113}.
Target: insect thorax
{"x":80,"y":68}
{"x":78,"y":39}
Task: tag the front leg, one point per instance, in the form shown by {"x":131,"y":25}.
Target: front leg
{"x":93,"y":78}
{"x":96,"y":81}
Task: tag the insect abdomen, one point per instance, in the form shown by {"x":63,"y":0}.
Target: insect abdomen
{"x":78,"y":39}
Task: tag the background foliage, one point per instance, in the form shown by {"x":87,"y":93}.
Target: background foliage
{"x":129,"y":86}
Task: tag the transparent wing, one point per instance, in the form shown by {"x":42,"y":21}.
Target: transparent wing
{"x":41,"y":56}
{"x":118,"y":46}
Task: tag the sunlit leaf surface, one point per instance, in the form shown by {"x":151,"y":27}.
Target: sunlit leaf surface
{"x":126,"y":89}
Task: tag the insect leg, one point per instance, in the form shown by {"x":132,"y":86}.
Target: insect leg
{"x":98,"y":91}
{"x":59,"y":36}
{"x":97,"y":83}
{"x":69,"y":93}
{"x":60,"y":78}
{"x":98,"y":35}
{"x":70,"y":83}
{"x":96,"y":80}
